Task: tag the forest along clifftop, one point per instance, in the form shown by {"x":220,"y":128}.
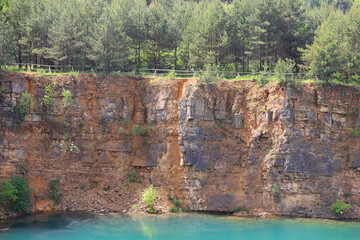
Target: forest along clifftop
{"x":271,"y":150}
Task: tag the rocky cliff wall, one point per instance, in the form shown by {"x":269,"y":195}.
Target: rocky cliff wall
{"x":273,"y":150}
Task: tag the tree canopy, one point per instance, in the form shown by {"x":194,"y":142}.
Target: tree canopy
{"x":240,"y":35}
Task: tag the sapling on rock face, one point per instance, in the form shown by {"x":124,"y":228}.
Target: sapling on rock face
{"x":67,"y":98}
{"x":149,"y":196}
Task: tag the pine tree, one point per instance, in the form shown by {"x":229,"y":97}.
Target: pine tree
{"x":136,"y":28}
{"x":323,"y":58}
{"x":16,"y":15}
{"x":158,"y":31}
{"x":110,"y":46}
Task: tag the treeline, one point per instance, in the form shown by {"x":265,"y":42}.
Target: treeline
{"x":239,"y":35}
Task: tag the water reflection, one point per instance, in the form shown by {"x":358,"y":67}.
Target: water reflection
{"x":44,"y":221}
{"x":177,"y":226}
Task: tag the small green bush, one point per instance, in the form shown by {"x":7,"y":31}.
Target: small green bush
{"x":263,"y":77}
{"x":22,"y":204}
{"x":173,"y":209}
{"x":149,"y":196}
{"x":67,"y":98}
{"x":243,"y":208}
{"x":172,"y":74}
{"x":8,"y":193}
{"x":80,"y":125}
{"x":107,"y":188}
{"x":2,"y":92}
{"x":25,"y":103}
{"x":134,"y":178}
{"x":140,"y":131}
{"x":47,"y":100}
{"x":41,"y":72}
{"x":169,"y":197}
{"x":74,"y":74}
{"x":275,"y":189}
{"x":346,"y":195}
{"x":73,"y":147}
{"x":121,"y":130}
{"x":176,"y":202}
{"x":339,"y":207}
{"x":55,"y":191}
{"x":355,"y":132}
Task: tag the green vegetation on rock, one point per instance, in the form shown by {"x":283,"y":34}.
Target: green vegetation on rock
{"x":139,"y":130}
{"x":319,"y":36}
{"x":47,"y":100}
{"x":15,"y":194}
{"x":339,"y":207}
{"x":55,"y":191}
{"x":25,"y":103}
{"x":149,"y":196}
{"x":67,"y":98}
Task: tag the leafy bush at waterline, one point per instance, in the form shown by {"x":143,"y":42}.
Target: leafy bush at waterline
{"x":8,"y":192}
{"x":339,"y":207}
{"x":15,"y":193}
{"x":149,"y":197}
{"x":238,"y":209}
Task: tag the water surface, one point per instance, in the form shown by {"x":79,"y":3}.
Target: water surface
{"x":183,"y":226}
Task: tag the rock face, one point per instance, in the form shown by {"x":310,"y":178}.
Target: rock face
{"x":214,"y":148}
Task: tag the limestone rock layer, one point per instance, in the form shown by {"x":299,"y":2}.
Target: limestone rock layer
{"x":213,"y":147}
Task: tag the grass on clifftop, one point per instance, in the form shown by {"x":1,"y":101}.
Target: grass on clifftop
{"x":172,"y":76}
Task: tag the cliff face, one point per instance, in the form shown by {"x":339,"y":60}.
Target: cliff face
{"x":212,"y":147}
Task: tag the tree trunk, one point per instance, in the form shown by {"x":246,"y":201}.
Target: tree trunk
{"x":19,"y":55}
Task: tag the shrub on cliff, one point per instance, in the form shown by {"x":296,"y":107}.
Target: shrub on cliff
{"x":55,"y":191}
{"x":243,"y":208}
{"x":22,"y":204}
{"x":67,"y":98}
{"x":149,"y":197}
{"x":2,"y":92}
{"x":47,"y":100}
{"x":134,"y":178}
{"x":275,"y":188}
{"x":139,"y":131}
{"x":15,"y":193}
{"x":339,"y":207}
{"x":8,"y":192}
{"x":264,"y":77}
{"x":25,"y":103}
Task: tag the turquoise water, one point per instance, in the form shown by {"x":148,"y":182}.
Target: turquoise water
{"x":184,"y":226}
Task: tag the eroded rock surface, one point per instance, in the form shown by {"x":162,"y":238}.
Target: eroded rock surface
{"x":212,"y":147}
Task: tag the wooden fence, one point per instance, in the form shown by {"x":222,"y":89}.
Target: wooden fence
{"x":31,"y":67}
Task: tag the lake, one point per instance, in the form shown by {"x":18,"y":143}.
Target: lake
{"x":182,"y":226}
